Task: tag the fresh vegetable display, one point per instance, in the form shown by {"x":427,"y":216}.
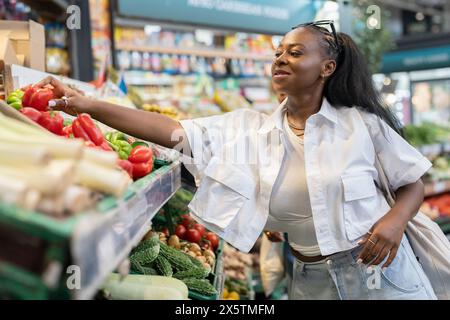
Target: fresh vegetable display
{"x":174,"y":258}
{"x":41,"y":171}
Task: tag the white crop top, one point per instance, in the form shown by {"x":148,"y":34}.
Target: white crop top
{"x":290,"y":208}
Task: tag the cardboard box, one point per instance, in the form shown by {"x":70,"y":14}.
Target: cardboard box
{"x":22,"y":43}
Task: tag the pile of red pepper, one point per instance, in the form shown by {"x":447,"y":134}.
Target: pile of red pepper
{"x":139,"y":163}
{"x":35,"y":105}
{"x":83,"y":127}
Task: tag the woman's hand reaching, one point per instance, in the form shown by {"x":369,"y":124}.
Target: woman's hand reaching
{"x":67,"y":100}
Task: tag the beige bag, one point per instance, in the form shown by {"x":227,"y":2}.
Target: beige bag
{"x":271,"y":263}
{"x":429,"y":243}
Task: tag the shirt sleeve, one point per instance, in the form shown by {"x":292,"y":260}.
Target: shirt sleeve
{"x":206,"y":137}
{"x":402,"y":163}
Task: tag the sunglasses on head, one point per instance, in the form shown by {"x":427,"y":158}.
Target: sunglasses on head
{"x":321,"y":23}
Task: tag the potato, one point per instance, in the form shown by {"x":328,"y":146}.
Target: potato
{"x":195,"y":247}
{"x":202,"y":259}
{"x":174,"y":242}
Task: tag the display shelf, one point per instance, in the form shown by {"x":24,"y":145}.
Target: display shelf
{"x":120,"y":229}
{"x":207,"y":53}
{"x":434,"y":188}
{"x":89,"y":245}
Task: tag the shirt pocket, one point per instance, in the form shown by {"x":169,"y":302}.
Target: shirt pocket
{"x":360,"y":203}
{"x":223,"y":191}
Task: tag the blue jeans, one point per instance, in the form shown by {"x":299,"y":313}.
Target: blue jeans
{"x":339,"y":277}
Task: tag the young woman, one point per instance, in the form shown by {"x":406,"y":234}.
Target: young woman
{"x":307,"y":170}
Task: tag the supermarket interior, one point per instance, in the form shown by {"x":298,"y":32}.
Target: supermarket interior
{"x":90,"y":211}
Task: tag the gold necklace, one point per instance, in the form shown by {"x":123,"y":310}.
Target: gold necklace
{"x":291,"y":124}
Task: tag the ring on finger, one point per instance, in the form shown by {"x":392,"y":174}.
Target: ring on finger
{"x":64,"y":98}
{"x":371,"y":241}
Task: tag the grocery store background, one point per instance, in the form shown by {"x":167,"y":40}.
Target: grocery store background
{"x":191,"y":58}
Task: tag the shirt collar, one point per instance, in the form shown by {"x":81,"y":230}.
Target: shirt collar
{"x":275,"y":120}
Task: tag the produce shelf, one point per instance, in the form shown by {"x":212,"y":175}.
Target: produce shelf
{"x":120,"y":229}
{"x":196,"y":52}
{"x":41,"y":253}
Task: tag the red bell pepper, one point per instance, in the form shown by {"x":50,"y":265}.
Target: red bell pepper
{"x":37,"y":98}
{"x":28,"y":92}
{"x":52,"y":121}
{"x":141,"y":158}
{"x":31,"y":114}
{"x":91,"y":129}
{"x":68,"y":131}
{"x":140,"y":154}
{"x":78,"y":131}
{"x":127,"y":166}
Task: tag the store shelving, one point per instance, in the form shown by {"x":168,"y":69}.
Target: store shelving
{"x":207,"y":53}
{"x":92,"y":243}
{"x":434,"y":188}
{"x":120,"y":228}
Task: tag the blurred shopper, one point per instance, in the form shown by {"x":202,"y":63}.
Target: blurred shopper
{"x":312,"y":173}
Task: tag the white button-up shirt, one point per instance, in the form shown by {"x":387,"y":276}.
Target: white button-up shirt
{"x":237,"y":158}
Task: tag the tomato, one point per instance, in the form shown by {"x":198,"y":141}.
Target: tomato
{"x":200,"y":228}
{"x":166,"y":232}
{"x":127,"y":166}
{"x":192,"y":235}
{"x":142,"y":169}
{"x":31,"y":113}
{"x":213,"y":239}
{"x":140,"y":154}
{"x":180,"y":231}
{"x":187,"y":222}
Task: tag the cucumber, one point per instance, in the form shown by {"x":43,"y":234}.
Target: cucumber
{"x":114,"y":281}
